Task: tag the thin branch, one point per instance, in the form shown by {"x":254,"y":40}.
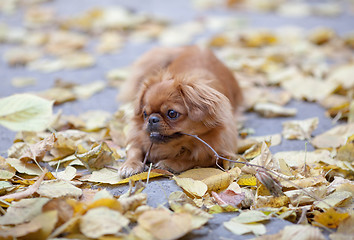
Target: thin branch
{"x":257,"y":166}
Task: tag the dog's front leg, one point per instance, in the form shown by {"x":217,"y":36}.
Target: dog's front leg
{"x":134,"y":163}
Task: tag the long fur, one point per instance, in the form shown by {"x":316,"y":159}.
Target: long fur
{"x":205,"y":93}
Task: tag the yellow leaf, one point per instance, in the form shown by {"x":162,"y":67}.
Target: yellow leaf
{"x":247,"y":180}
{"x":141,"y":176}
{"x":330,"y":218}
{"x":271,"y":201}
{"x":220,"y":209}
{"x":346,"y":152}
{"x":200,"y":173}
{"x":106,"y":202}
{"x":193,"y":187}
{"x":220,"y":181}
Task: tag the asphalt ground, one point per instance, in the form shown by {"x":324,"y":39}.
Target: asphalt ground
{"x":177,"y":11}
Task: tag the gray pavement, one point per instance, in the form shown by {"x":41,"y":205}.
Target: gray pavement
{"x":177,"y":11}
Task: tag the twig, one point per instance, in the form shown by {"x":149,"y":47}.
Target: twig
{"x":148,"y":176}
{"x":257,"y":166}
{"x":147,"y":154}
{"x":29,"y":191}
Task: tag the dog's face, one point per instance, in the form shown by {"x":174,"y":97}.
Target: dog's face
{"x":170,"y":106}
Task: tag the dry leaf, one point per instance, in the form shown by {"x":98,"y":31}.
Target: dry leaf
{"x":58,"y":188}
{"x":335,"y":137}
{"x":24,"y":167}
{"x":141,"y":176}
{"x":222,"y":180}
{"x":23,"y":211}
{"x":330,"y":218}
{"x":38,"y":150}
{"x":271,"y":110}
{"x":228,"y":197}
{"x":68,"y":174}
{"x":193,"y":187}
{"x":6,"y":170}
{"x":29,"y":191}
{"x":101,"y":221}
{"x":345,"y":229}
{"x":103,"y":175}
{"x":309,"y":88}
{"x":177,"y":199}
{"x":164,"y":225}
{"x":20,"y":82}
{"x":294,"y":232}
{"x":336,"y":199}
{"x":97,"y":158}
{"x":200,"y":173}
{"x":299,"y":129}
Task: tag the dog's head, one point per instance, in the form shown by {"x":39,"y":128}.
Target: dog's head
{"x":171,"y":105}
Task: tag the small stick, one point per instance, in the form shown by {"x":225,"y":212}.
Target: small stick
{"x":147,"y":154}
{"x":258,"y":166}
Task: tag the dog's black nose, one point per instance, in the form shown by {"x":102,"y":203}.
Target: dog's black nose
{"x":154,"y":120}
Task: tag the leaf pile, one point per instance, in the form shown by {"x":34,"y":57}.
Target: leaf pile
{"x":55,"y":176}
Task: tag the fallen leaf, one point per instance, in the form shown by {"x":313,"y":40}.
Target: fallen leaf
{"x":335,"y":137}
{"x":47,"y":221}
{"x":58,"y":188}
{"x":294,"y":232}
{"x":23,"y":211}
{"x":228,"y":197}
{"x":299,"y":129}
{"x":25,"y":112}
{"x":271,"y":110}
{"x":68,"y":174}
{"x":19,"y":230}
{"x":6,"y":171}
{"x":221,"y":181}
{"x":242,"y":228}
{"x":101,"y":221}
{"x":29,"y":191}
{"x":97,"y":158}
{"x":141,"y":176}
{"x":87,"y":90}
{"x":38,"y":150}
{"x":103,"y":175}
{"x":345,"y":229}
{"x":20,"y":82}
{"x":191,"y":186}
{"x":303,"y":88}
{"x":24,"y":167}
{"x":247,"y":180}
{"x":330,"y":218}
{"x":177,"y":199}
{"x":164,"y":225}
{"x":200,"y":173}
{"x":336,"y":199}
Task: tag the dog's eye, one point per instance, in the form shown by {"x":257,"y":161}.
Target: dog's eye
{"x":172,"y":114}
{"x":145,"y":114}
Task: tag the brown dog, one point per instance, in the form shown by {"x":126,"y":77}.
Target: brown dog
{"x":180,"y":90}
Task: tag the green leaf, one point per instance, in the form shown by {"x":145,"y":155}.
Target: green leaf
{"x":25,"y":112}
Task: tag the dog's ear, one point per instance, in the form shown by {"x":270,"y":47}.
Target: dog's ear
{"x":204,"y":103}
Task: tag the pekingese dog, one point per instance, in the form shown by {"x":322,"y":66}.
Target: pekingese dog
{"x":178,"y":91}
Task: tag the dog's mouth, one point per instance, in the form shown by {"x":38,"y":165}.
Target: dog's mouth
{"x":156,"y":137}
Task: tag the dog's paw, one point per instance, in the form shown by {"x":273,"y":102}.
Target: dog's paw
{"x":130,"y":168}
{"x":164,"y":165}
